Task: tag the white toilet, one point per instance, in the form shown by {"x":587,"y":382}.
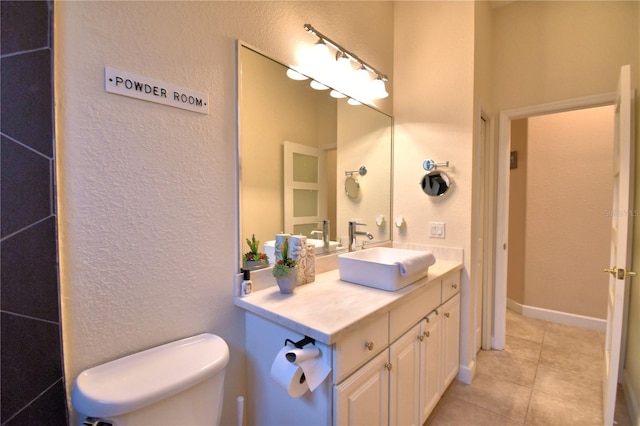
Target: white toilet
{"x":179,"y":383}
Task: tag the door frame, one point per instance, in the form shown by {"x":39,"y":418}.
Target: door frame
{"x":502,"y":210}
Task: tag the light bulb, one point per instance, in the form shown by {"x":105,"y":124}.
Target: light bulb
{"x":317,"y":86}
{"x":378,"y":90}
{"x":343,"y":63}
{"x":321,"y":51}
{"x":295,"y":75}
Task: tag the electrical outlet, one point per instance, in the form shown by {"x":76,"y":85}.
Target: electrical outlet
{"x":436,"y":230}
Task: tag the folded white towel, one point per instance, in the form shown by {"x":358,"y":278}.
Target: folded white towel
{"x":416,"y":263}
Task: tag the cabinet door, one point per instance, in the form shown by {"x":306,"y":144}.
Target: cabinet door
{"x":430,"y":364}
{"x":451,"y":340}
{"x":363,"y":398}
{"x":404,"y":378}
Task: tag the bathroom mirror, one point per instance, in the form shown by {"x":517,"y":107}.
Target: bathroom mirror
{"x":436,"y":183}
{"x":295,"y":144}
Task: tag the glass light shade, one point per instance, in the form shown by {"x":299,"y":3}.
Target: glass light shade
{"x":352,"y":101}
{"x":378,"y":89}
{"x":317,"y":86}
{"x":343,"y":64}
{"x":337,"y":95}
{"x":295,"y":75}
{"x":321,"y":51}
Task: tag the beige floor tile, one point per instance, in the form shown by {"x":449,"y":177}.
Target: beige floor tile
{"x":523,"y":348}
{"x":506,"y":366}
{"x":524,"y":327}
{"x":574,"y":339}
{"x":500,"y":396}
{"x":585,"y":365}
{"x":549,"y":375}
{"x":569,"y":386}
{"x":547,"y":410}
{"x":621,"y":416}
{"x":452,"y":411}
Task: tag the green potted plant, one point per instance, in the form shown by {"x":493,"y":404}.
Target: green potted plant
{"x":253,"y":259}
{"x":285,"y":270}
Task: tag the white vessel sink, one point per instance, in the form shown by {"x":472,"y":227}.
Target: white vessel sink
{"x":384,"y":268}
{"x":270,"y":247}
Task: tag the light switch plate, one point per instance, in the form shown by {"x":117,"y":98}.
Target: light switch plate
{"x":436,"y":230}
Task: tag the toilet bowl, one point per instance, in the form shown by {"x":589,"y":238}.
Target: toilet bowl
{"x":179,"y":383}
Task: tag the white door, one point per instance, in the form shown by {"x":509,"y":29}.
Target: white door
{"x":304,"y":191}
{"x":620,"y":242}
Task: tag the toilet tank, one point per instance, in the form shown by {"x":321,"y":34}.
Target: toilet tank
{"x":174,"y":384}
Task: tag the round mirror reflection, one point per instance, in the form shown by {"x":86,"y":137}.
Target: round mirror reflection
{"x":435,"y":183}
{"x":352,"y":187}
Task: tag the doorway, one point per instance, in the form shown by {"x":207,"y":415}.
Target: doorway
{"x":559,"y":227}
{"x":505,"y":160}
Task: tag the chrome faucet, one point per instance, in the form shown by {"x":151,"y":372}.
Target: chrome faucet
{"x":353,"y":232}
{"x":325,"y":234}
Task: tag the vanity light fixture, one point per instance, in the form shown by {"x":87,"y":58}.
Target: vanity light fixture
{"x":366,"y":87}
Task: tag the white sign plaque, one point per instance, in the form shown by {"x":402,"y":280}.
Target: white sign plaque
{"x":147,"y":89}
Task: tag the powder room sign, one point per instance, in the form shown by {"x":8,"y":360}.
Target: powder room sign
{"x":147,"y":89}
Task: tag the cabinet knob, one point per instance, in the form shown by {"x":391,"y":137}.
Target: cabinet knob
{"x":427,"y":333}
{"x":446,"y":314}
{"x":369,"y":345}
{"x":454,"y":285}
{"x":421,"y":337}
{"x":388,"y":365}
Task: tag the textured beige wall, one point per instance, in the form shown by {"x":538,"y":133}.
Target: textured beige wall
{"x":433,"y":113}
{"x":569,"y":181}
{"x":556,"y":50}
{"x":517,"y":213}
{"x":147,"y":193}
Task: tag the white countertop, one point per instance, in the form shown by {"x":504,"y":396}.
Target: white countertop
{"x":328,"y":308}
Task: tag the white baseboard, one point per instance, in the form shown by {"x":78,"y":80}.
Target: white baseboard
{"x":558,"y":317}
{"x":631,"y":398}
{"x":467,"y":373}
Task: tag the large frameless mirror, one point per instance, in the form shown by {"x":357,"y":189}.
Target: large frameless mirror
{"x":295,"y":146}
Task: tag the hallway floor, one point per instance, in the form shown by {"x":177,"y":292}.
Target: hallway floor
{"x":548,"y":374}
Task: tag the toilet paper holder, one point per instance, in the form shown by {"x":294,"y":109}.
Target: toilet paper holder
{"x":301,"y":343}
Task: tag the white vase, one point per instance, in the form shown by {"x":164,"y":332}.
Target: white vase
{"x":288,"y":284}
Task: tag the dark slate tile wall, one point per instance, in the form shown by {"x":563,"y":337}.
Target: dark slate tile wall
{"x":32,"y":390}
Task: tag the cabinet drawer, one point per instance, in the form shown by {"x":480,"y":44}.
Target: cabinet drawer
{"x":408,"y":314}
{"x":359,"y":346}
{"x":450,"y":286}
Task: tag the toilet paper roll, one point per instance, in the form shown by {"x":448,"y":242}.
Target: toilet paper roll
{"x":296,"y":355}
{"x":288,"y":375}
{"x":314,"y":367}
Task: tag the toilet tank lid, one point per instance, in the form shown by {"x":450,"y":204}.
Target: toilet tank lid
{"x":140,"y":379}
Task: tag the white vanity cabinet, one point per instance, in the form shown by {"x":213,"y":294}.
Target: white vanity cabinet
{"x":412,"y":374}
{"x":430,"y":364}
{"x":392,"y":354}
{"x":363,"y":398}
{"x":450,"y":339}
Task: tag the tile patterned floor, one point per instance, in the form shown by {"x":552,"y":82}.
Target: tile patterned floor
{"x":549,"y":374}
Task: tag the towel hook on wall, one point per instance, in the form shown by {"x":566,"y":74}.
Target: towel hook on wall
{"x":361,"y":171}
{"x":432,"y":165}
